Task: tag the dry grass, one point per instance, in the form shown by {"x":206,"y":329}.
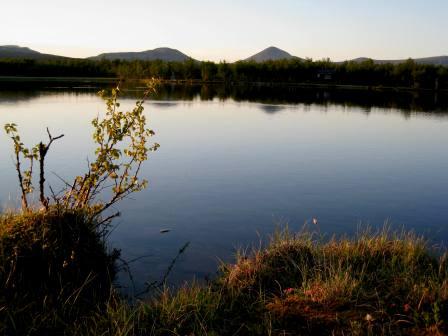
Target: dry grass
{"x":377,"y":283}
{"x":54,"y":268}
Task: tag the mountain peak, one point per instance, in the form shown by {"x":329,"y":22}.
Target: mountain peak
{"x":273,"y":48}
{"x":271,"y":54}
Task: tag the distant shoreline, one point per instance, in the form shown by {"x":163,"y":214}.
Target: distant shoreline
{"x":84,"y":81}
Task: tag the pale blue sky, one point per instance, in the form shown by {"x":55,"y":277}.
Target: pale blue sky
{"x":230,"y":30}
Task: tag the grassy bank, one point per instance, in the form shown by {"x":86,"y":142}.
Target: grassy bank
{"x":55,"y":269}
{"x":377,"y":283}
{"x":56,"y":276}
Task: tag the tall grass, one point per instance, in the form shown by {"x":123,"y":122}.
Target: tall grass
{"x":54,"y":268}
{"x":376,"y":283}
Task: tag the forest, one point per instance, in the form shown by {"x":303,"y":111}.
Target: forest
{"x":408,"y":74}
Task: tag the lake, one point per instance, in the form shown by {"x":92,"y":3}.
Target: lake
{"x":236,"y":162}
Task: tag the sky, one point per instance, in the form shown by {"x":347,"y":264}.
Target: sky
{"x":230,"y":30}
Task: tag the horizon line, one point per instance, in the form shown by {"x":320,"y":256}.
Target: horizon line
{"x":42,"y":51}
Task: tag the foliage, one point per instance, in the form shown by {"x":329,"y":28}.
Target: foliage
{"x":38,"y":152}
{"x":55,"y":269}
{"x":121,"y":139}
{"x":122,"y":147}
{"x":408,"y":74}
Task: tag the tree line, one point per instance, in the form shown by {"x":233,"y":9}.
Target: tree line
{"x":407,"y":74}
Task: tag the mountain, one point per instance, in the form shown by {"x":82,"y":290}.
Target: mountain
{"x":13,"y":51}
{"x":168,"y":54}
{"x":435,"y":60}
{"x":271,"y":54}
{"x":164,"y":54}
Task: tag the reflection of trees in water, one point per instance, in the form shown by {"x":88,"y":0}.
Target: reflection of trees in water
{"x":272,"y":108}
{"x":21,"y":96}
{"x":404,"y":102}
{"x":18,"y":96}
{"x":164,"y":104}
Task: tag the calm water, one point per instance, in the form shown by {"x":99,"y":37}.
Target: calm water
{"x":235,"y":162}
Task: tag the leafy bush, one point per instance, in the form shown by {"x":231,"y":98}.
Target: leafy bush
{"x":55,"y":268}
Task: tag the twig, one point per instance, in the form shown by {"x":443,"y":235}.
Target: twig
{"x":43,"y":150}
{"x":19,"y":173}
{"x":108,"y":219}
{"x":159,"y":284}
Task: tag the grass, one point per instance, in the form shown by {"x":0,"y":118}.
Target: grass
{"x":54,"y":267}
{"x":376,"y":283}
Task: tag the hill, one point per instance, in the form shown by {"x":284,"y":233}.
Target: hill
{"x":174,"y":55}
{"x":17,"y":52}
{"x":435,"y":60}
{"x":164,"y":54}
{"x":271,"y":54}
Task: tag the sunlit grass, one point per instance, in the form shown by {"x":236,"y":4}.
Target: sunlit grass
{"x":383,"y":282}
{"x":378,"y":282}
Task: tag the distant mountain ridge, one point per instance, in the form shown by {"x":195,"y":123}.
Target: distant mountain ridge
{"x":17,"y":52}
{"x":435,"y":60}
{"x":174,"y":55}
{"x":275,"y":54}
{"x":163,"y":54}
{"x":271,"y":54}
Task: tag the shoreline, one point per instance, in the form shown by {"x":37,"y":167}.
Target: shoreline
{"x":297,"y":284}
{"x":304,"y":85}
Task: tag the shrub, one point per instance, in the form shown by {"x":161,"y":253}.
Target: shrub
{"x":55,"y":268}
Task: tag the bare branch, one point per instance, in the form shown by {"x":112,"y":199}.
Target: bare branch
{"x":43,"y":150}
{"x":22,"y":187}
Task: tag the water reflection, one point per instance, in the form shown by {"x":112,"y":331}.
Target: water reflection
{"x":272,"y":108}
{"x":403,"y":102}
{"x":165,"y":104}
